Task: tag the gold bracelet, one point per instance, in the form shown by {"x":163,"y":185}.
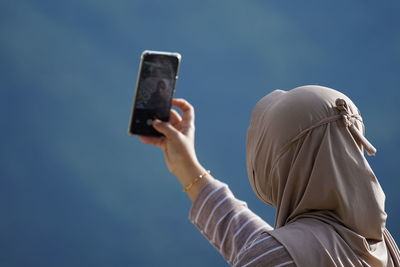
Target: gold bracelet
{"x":201,"y":176}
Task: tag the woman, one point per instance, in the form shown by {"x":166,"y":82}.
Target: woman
{"x":305,"y":157}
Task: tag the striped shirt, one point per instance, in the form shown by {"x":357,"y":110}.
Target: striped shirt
{"x":237,"y":233}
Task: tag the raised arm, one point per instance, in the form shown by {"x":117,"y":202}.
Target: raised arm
{"x":237,"y":233}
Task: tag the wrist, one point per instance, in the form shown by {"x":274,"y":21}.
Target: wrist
{"x":197,"y":186}
{"x":190,"y":172}
{"x":193,"y":178}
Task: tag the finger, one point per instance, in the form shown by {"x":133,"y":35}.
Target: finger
{"x":174,"y":118}
{"x":186,"y":108}
{"x":155,"y":141}
{"x":187,"y":112}
{"x":165,"y":128}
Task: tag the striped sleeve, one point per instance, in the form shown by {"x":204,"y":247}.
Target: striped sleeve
{"x":236,"y":232}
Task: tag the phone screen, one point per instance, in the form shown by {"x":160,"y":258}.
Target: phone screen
{"x":155,"y":88}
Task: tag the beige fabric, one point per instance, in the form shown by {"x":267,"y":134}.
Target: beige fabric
{"x":305,"y":157}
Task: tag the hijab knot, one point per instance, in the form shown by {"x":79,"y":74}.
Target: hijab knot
{"x":348,"y":118}
{"x":349,"y":121}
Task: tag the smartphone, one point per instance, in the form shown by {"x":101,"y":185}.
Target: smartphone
{"x":155,"y":87}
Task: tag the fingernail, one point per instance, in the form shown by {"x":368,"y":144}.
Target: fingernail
{"x":156,"y":122}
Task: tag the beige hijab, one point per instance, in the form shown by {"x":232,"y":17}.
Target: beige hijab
{"x":305,"y":157}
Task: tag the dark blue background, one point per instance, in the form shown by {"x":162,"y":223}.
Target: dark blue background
{"x":75,"y":190}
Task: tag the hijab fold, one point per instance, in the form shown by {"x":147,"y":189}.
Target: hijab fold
{"x":305,"y":157}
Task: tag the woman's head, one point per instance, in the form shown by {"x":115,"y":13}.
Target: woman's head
{"x":305,"y":157}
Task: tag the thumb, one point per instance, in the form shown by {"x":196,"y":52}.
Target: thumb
{"x":165,"y":128}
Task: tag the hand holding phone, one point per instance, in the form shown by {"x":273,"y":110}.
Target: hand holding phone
{"x":155,"y":87}
{"x":178,"y":146}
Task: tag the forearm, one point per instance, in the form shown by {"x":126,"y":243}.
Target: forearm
{"x":224,"y":220}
